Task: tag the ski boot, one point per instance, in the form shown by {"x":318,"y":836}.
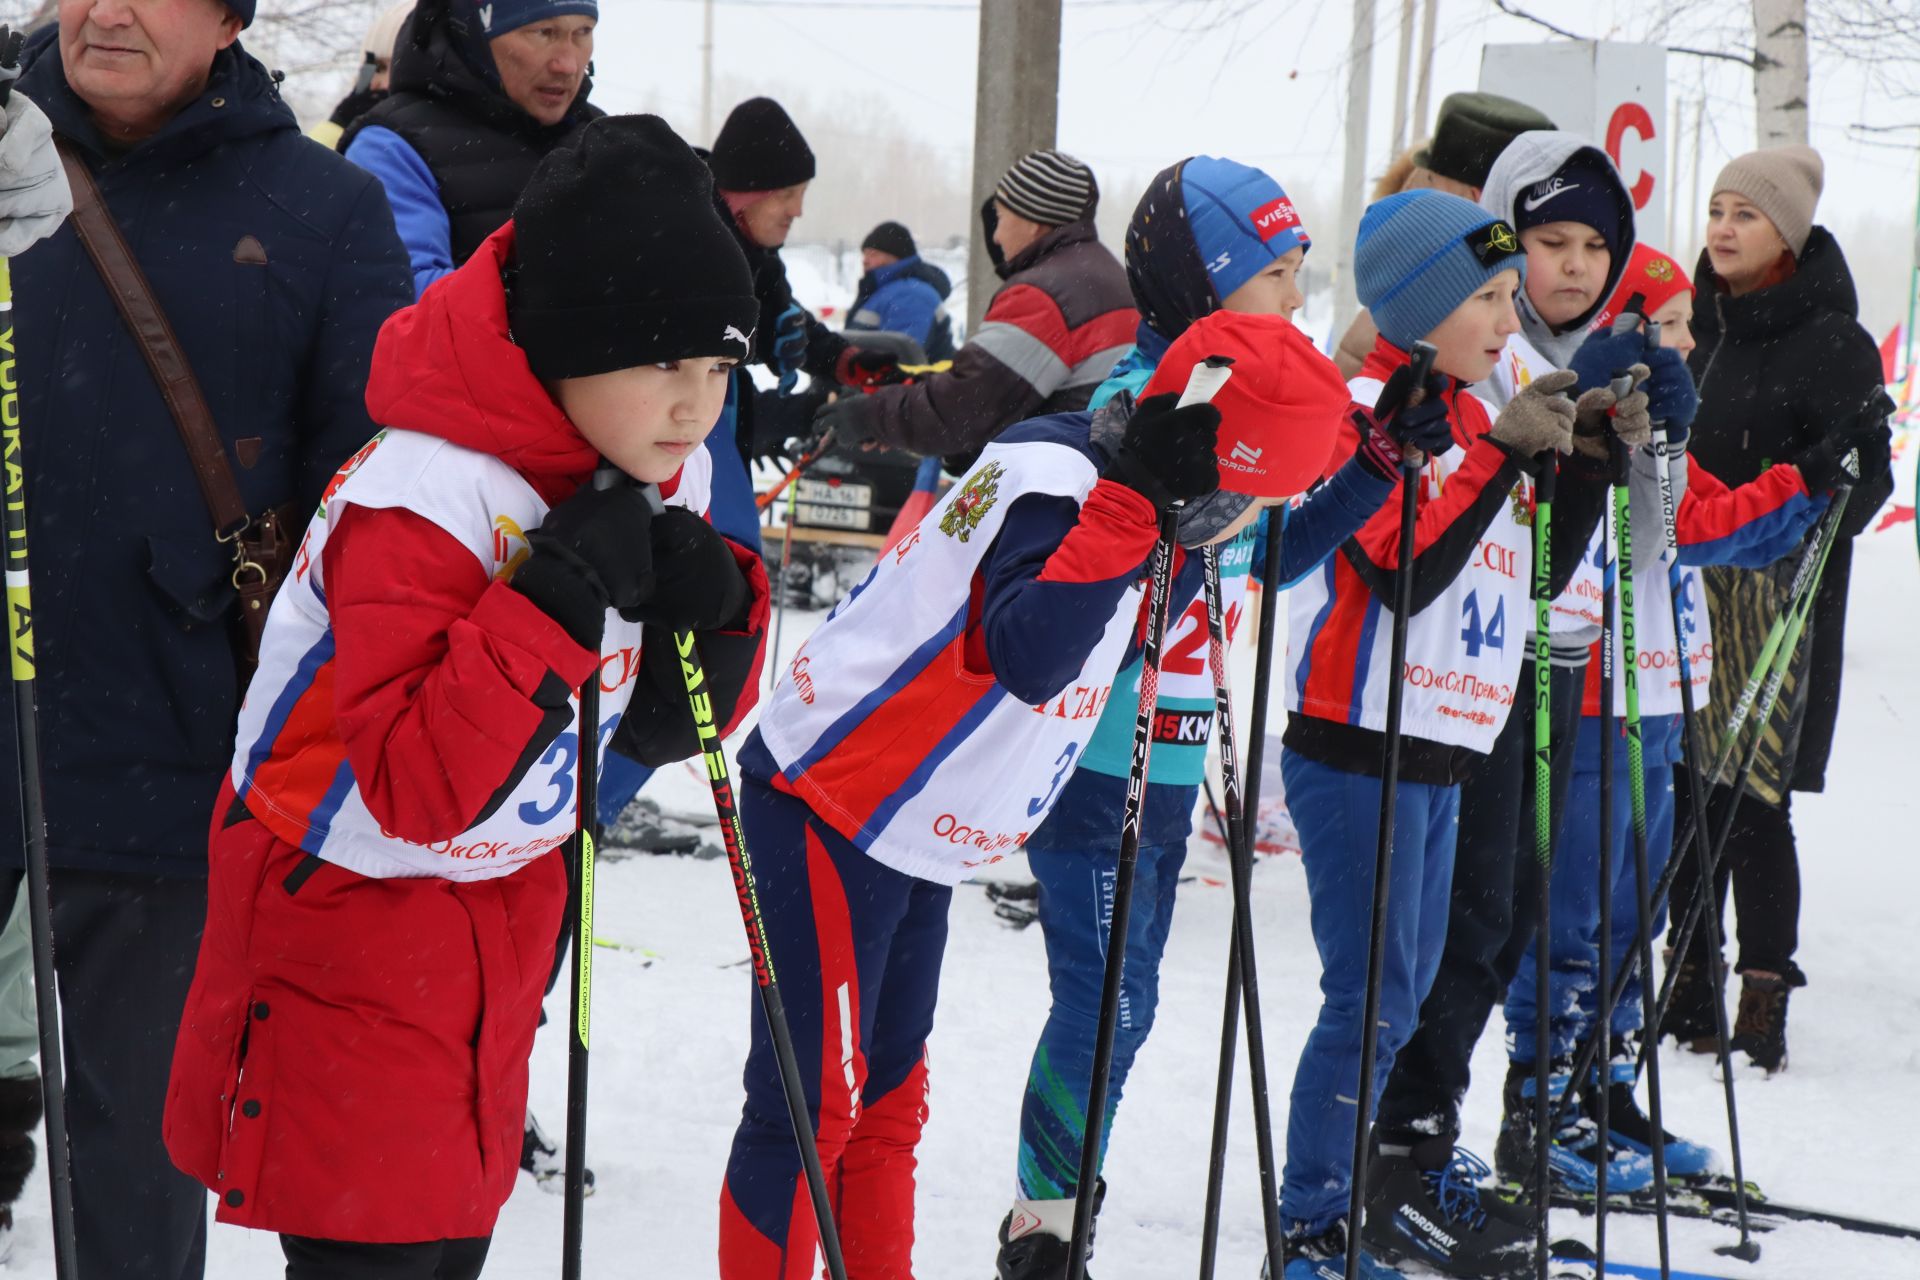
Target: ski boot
{"x":1629,"y":1127}
{"x":1760,"y":1032}
{"x":1324,"y":1257}
{"x":1573,"y":1151}
{"x":1425,"y":1205}
{"x":19,"y":1116}
{"x":1690,"y":1017}
{"x":641,"y":826}
{"x":1036,"y":1237}
{"x":546,"y":1162}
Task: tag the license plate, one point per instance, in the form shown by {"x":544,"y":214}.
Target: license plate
{"x":833,"y":517}
{"x":834,"y":495}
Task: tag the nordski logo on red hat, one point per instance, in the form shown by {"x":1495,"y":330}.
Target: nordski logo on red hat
{"x":1275,"y":216}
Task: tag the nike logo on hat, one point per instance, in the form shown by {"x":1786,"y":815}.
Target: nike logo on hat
{"x":1545,"y":191}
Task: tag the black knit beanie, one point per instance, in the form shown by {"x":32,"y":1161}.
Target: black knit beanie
{"x":622,"y":258}
{"x":891,"y":237}
{"x":760,"y":149}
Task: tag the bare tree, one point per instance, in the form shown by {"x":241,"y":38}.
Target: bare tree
{"x":1781,"y":84}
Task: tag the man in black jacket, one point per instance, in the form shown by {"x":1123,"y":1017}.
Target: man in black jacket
{"x":480,"y":94}
{"x":276,"y":262}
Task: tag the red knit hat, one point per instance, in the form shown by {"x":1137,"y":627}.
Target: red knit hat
{"x":1652,"y":274}
{"x":1280,"y":411}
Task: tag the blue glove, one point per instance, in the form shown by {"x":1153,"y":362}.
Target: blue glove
{"x":789,"y":341}
{"x":1671,"y":395}
{"x":1604,"y":354}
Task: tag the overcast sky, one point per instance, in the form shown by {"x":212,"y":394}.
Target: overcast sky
{"x":1144,"y":82}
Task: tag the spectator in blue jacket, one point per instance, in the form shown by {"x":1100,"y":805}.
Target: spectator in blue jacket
{"x":901,"y":292}
{"x":480,"y":92}
{"x":276,"y":262}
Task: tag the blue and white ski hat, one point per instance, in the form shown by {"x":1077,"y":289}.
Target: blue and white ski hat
{"x":1422,"y":253}
{"x":1205,"y":227}
{"x":497,"y":17}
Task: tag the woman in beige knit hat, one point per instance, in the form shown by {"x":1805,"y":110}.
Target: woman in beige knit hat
{"x":1786,"y":373}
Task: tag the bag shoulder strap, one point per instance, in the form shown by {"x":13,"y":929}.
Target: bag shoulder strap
{"x":153,"y":333}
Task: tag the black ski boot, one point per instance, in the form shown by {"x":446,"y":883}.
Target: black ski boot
{"x":1425,"y":1204}
{"x":1760,"y":1032}
{"x":1031,"y":1247}
{"x":545,"y":1161}
{"x":1690,"y":1017}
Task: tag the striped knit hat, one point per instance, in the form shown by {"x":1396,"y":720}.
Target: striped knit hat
{"x":1050,"y":188}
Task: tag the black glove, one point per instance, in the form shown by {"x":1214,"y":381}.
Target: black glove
{"x":850,"y":419}
{"x":857,"y":367}
{"x":591,"y":554}
{"x":1826,"y":466}
{"x":1167,"y":454}
{"x":1396,"y":430}
{"x":697,"y":584}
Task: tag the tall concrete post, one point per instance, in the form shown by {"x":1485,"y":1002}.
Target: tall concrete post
{"x":1016,"y":110}
{"x":1354,"y":185}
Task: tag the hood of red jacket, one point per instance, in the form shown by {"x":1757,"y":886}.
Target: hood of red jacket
{"x":447,"y":367}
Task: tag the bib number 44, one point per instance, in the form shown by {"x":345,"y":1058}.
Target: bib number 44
{"x":1475,"y":636}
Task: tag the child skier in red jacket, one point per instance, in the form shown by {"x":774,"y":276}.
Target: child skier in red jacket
{"x":386,"y":885}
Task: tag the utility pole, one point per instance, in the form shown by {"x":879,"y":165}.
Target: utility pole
{"x":1674,"y":246}
{"x":1429,"y":14}
{"x":1016,"y":109}
{"x":1353,"y":192}
{"x":706,"y":75}
{"x":1403,"y":67}
{"x":1699,"y":210}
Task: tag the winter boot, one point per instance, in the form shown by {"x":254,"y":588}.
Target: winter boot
{"x":1036,"y":1237}
{"x":1425,"y":1205}
{"x":1760,"y":1032}
{"x":641,"y":826}
{"x":1574,"y":1150}
{"x":1690,"y":1016}
{"x":545,"y":1161}
{"x":1324,"y":1257}
{"x":1628,"y":1125}
{"x":19,"y":1117}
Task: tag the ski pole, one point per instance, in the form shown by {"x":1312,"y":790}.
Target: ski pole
{"x":1543,"y":496}
{"x":26,"y":730}
{"x":1207,"y":379}
{"x":1422,"y":356}
{"x":1609,"y":624}
{"x":1230,"y":1015}
{"x":720,"y":781}
{"x":761,"y":501}
{"x":1240,"y":861}
{"x":1747,"y":1250}
{"x":1805,"y":579}
{"x":1637,"y":791}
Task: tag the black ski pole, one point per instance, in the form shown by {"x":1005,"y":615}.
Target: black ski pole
{"x":1609,"y":597}
{"x":1543,"y":496}
{"x":1207,"y":378}
{"x":1748,"y":1250}
{"x":1230,"y":1015}
{"x":26,"y":730}
{"x":1240,"y":860}
{"x":720,"y":781}
{"x":1422,"y":356}
{"x":1643,"y":902}
{"x":1799,"y":592}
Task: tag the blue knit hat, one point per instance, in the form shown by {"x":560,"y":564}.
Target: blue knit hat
{"x":497,"y":17}
{"x":1205,"y":227}
{"x":1421,"y":254}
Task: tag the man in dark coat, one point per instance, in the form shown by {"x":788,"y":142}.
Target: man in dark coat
{"x":480,"y":92}
{"x":276,"y":262}
{"x":1786,"y":373}
{"x":1052,"y":333}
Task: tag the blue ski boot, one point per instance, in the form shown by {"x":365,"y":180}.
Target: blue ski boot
{"x":1323,"y":1256}
{"x":1629,"y":1126}
{"x":1575,"y":1148}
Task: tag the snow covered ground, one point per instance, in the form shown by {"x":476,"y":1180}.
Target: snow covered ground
{"x":672,"y":1004}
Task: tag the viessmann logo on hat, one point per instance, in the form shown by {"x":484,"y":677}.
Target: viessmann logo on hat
{"x":1273,"y":217}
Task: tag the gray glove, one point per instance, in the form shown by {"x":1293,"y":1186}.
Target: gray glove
{"x":1539,"y":418}
{"x":34,"y":197}
{"x":1597,"y":413}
